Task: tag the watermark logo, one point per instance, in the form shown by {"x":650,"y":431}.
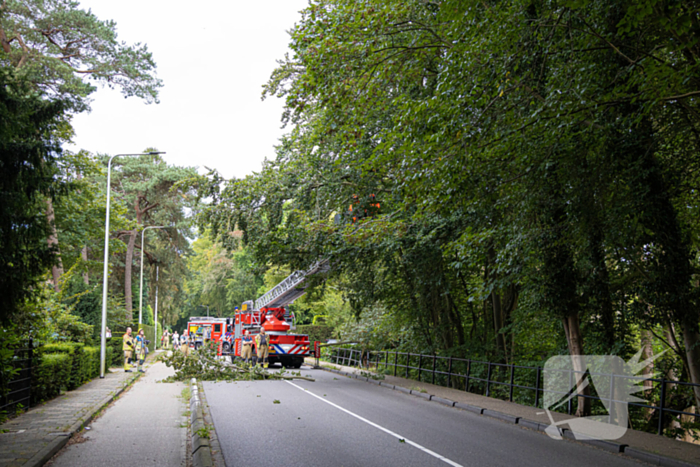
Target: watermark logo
{"x":605,"y":377}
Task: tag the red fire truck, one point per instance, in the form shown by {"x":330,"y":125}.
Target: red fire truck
{"x":268,"y":312}
{"x":201,"y":328}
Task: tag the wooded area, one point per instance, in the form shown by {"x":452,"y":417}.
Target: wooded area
{"x":534,"y":164}
{"x":504,"y":181}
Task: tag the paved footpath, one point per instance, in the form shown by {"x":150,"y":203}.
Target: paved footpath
{"x":33,"y":437}
{"x":146,"y":426}
{"x":654,"y":449}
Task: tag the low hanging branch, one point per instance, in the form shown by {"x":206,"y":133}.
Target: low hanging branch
{"x":204,"y":365}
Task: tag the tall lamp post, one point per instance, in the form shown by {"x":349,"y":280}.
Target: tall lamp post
{"x":141,"y":286}
{"x":155,"y":318}
{"x":103,"y":338}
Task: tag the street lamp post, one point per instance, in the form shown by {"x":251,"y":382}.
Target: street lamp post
{"x":155,"y":319}
{"x":103,"y":339}
{"x":141,"y":286}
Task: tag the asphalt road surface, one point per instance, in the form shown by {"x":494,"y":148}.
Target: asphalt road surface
{"x":337,"y":421}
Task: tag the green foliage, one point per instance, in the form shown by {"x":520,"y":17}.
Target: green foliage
{"x":56,"y":45}
{"x":535,"y":165}
{"x":28,"y":167}
{"x":51,"y":375}
{"x":80,"y":364}
{"x":318,"y":332}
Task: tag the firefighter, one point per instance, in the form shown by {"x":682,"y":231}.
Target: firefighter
{"x":262,"y":342}
{"x":247,"y":352}
{"x":140,"y":350}
{"x":128,"y":348}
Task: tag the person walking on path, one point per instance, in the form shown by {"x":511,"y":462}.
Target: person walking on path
{"x":140,"y":350}
{"x":128,"y":348}
{"x":262,"y":342}
{"x":176,"y":340}
{"x":165,"y":340}
{"x":247,"y":352}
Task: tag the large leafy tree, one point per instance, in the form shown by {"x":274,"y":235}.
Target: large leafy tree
{"x":28,"y":166}
{"x":63,"y":49}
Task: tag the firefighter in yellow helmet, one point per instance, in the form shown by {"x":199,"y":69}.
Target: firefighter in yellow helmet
{"x":262,"y":343}
{"x":128,"y":348}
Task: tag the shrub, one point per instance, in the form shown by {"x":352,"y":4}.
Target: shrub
{"x":318,"y":332}
{"x":92,"y":357}
{"x":51,"y":375}
{"x":80,"y":366}
{"x":114,"y":344}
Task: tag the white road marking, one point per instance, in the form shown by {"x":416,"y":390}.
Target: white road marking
{"x":389,"y":432}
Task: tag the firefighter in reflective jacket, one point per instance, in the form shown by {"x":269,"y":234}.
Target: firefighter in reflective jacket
{"x":247,"y":352}
{"x":140,"y":350}
{"x":262,"y":342}
{"x":128,"y":348}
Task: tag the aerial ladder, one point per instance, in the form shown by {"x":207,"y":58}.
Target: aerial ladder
{"x":269,"y":312}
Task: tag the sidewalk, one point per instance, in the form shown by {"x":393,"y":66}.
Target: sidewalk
{"x":651,"y":448}
{"x":35,"y":436}
{"x":146,"y":426}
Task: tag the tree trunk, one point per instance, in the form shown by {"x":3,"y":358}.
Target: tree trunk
{"x":57,"y":269}
{"x":574,"y":339}
{"x":84,"y":255}
{"x":498,"y":323}
{"x":691,"y":339}
{"x":127,"y":274}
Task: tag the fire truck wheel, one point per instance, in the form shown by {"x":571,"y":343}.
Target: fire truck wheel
{"x":197,"y":345}
{"x":226,"y":347}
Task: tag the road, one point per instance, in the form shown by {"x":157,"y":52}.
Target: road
{"x":339,"y":421}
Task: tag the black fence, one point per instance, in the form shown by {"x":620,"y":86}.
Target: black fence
{"x":19,"y":387}
{"x":521,"y":384}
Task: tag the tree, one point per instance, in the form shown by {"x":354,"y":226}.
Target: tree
{"x":28,"y":165}
{"x":56,"y":45}
{"x":155,"y":194}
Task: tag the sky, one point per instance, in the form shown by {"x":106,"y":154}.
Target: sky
{"x":213,"y":58}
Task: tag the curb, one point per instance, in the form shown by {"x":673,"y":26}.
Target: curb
{"x":59,"y":441}
{"x":199,"y":436}
{"x":609,"y":446}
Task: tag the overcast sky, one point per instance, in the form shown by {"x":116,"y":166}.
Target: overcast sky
{"x":213,"y":58}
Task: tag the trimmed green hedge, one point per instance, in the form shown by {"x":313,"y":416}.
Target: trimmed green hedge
{"x":318,"y":332}
{"x":51,"y":375}
{"x":116,"y":357}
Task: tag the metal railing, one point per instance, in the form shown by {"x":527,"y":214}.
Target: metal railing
{"x":19,"y":387}
{"x":515,"y":383}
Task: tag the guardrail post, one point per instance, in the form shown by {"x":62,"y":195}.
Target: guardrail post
{"x":420,"y":365}
{"x":396,"y":362}
{"x":488,"y":380}
{"x":386,"y":360}
{"x":434,"y":360}
{"x":662,"y":403}
{"x":31,"y":370}
{"x":512,"y":380}
{"x":376,"y":363}
{"x":569,"y":403}
{"x":466,"y":381}
{"x":408,"y":362}
{"x":449,"y":372}
{"x":537,"y":386}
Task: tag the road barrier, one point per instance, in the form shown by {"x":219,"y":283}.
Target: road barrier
{"x":524,"y":384}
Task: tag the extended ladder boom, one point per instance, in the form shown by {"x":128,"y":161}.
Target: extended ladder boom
{"x":293,"y":287}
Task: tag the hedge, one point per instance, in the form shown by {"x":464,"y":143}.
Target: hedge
{"x":51,"y":375}
{"x":85,"y":361}
{"x":316,"y":332}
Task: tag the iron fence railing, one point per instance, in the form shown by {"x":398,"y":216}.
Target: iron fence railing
{"x":19,"y":387}
{"x":515,"y":383}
